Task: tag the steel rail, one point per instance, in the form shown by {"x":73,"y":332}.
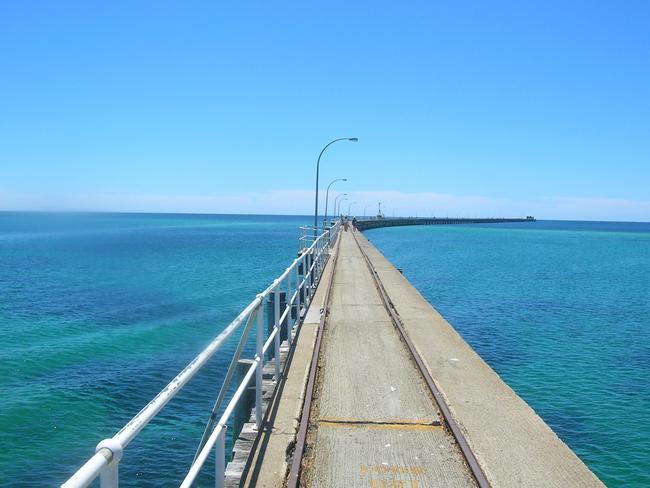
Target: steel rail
{"x":301,"y":438}
{"x":468,"y":454}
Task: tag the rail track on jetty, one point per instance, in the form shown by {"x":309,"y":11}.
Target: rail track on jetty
{"x":323,"y":454}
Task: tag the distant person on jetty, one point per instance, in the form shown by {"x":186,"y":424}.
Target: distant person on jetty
{"x":346,"y":223}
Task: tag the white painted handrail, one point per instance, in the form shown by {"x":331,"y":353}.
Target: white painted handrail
{"x":105,"y":462}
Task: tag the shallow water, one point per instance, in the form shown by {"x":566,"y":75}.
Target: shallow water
{"x":561,"y":310}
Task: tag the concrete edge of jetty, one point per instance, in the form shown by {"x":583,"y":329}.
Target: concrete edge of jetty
{"x":512,"y":444}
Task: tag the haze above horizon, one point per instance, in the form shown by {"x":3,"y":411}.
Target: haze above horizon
{"x":500,"y":109}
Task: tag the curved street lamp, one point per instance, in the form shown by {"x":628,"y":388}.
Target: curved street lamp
{"x":344,"y":198}
{"x":336,"y":198}
{"x":327,"y":194}
{"x":350,"y":206}
{"x":352,"y":139}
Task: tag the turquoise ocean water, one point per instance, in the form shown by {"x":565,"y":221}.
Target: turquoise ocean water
{"x":561,"y":310}
{"x":99,"y":312}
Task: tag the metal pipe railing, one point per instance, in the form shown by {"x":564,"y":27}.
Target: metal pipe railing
{"x":257,"y":367}
{"x":104,"y":464}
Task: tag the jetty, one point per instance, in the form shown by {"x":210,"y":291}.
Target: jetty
{"x":375,"y":223}
{"x":399,"y":398}
{"x":357,"y":381}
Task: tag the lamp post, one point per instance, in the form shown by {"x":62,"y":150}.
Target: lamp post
{"x":350,"y":206}
{"x":327,"y":195}
{"x":364,"y":211}
{"x":336,"y":213}
{"x":352,"y":139}
{"x":345,"y":197}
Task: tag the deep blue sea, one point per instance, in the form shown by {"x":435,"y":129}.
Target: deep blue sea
{"x":99,"y":311}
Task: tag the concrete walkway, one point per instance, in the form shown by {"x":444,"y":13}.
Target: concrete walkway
{"x":375,"y":423}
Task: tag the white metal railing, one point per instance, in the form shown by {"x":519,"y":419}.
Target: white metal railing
{"x":298,"y":282}
{"x":309,"y":234}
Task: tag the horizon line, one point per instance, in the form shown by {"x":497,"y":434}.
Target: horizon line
{"x":122,"y":212}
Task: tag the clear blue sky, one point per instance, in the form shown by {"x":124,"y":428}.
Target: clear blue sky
{"x":465,"y":108}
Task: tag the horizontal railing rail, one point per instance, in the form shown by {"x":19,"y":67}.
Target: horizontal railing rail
{"x":298,"y":282}
{"x":309,"y":234}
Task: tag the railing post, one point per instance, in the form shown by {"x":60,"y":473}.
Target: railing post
{"x":276,"y":317}
{"x":308,"y":277}
{"x":314,"y":262}
{"x":290,"y":305}
{"x":259,"y":372}
{"x":298,"y":289}
{"x":220,"y":459}
{"x":109,"y":476}
{"x":318,"y":268}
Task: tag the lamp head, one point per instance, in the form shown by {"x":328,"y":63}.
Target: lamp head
{"x":353,"y":139}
